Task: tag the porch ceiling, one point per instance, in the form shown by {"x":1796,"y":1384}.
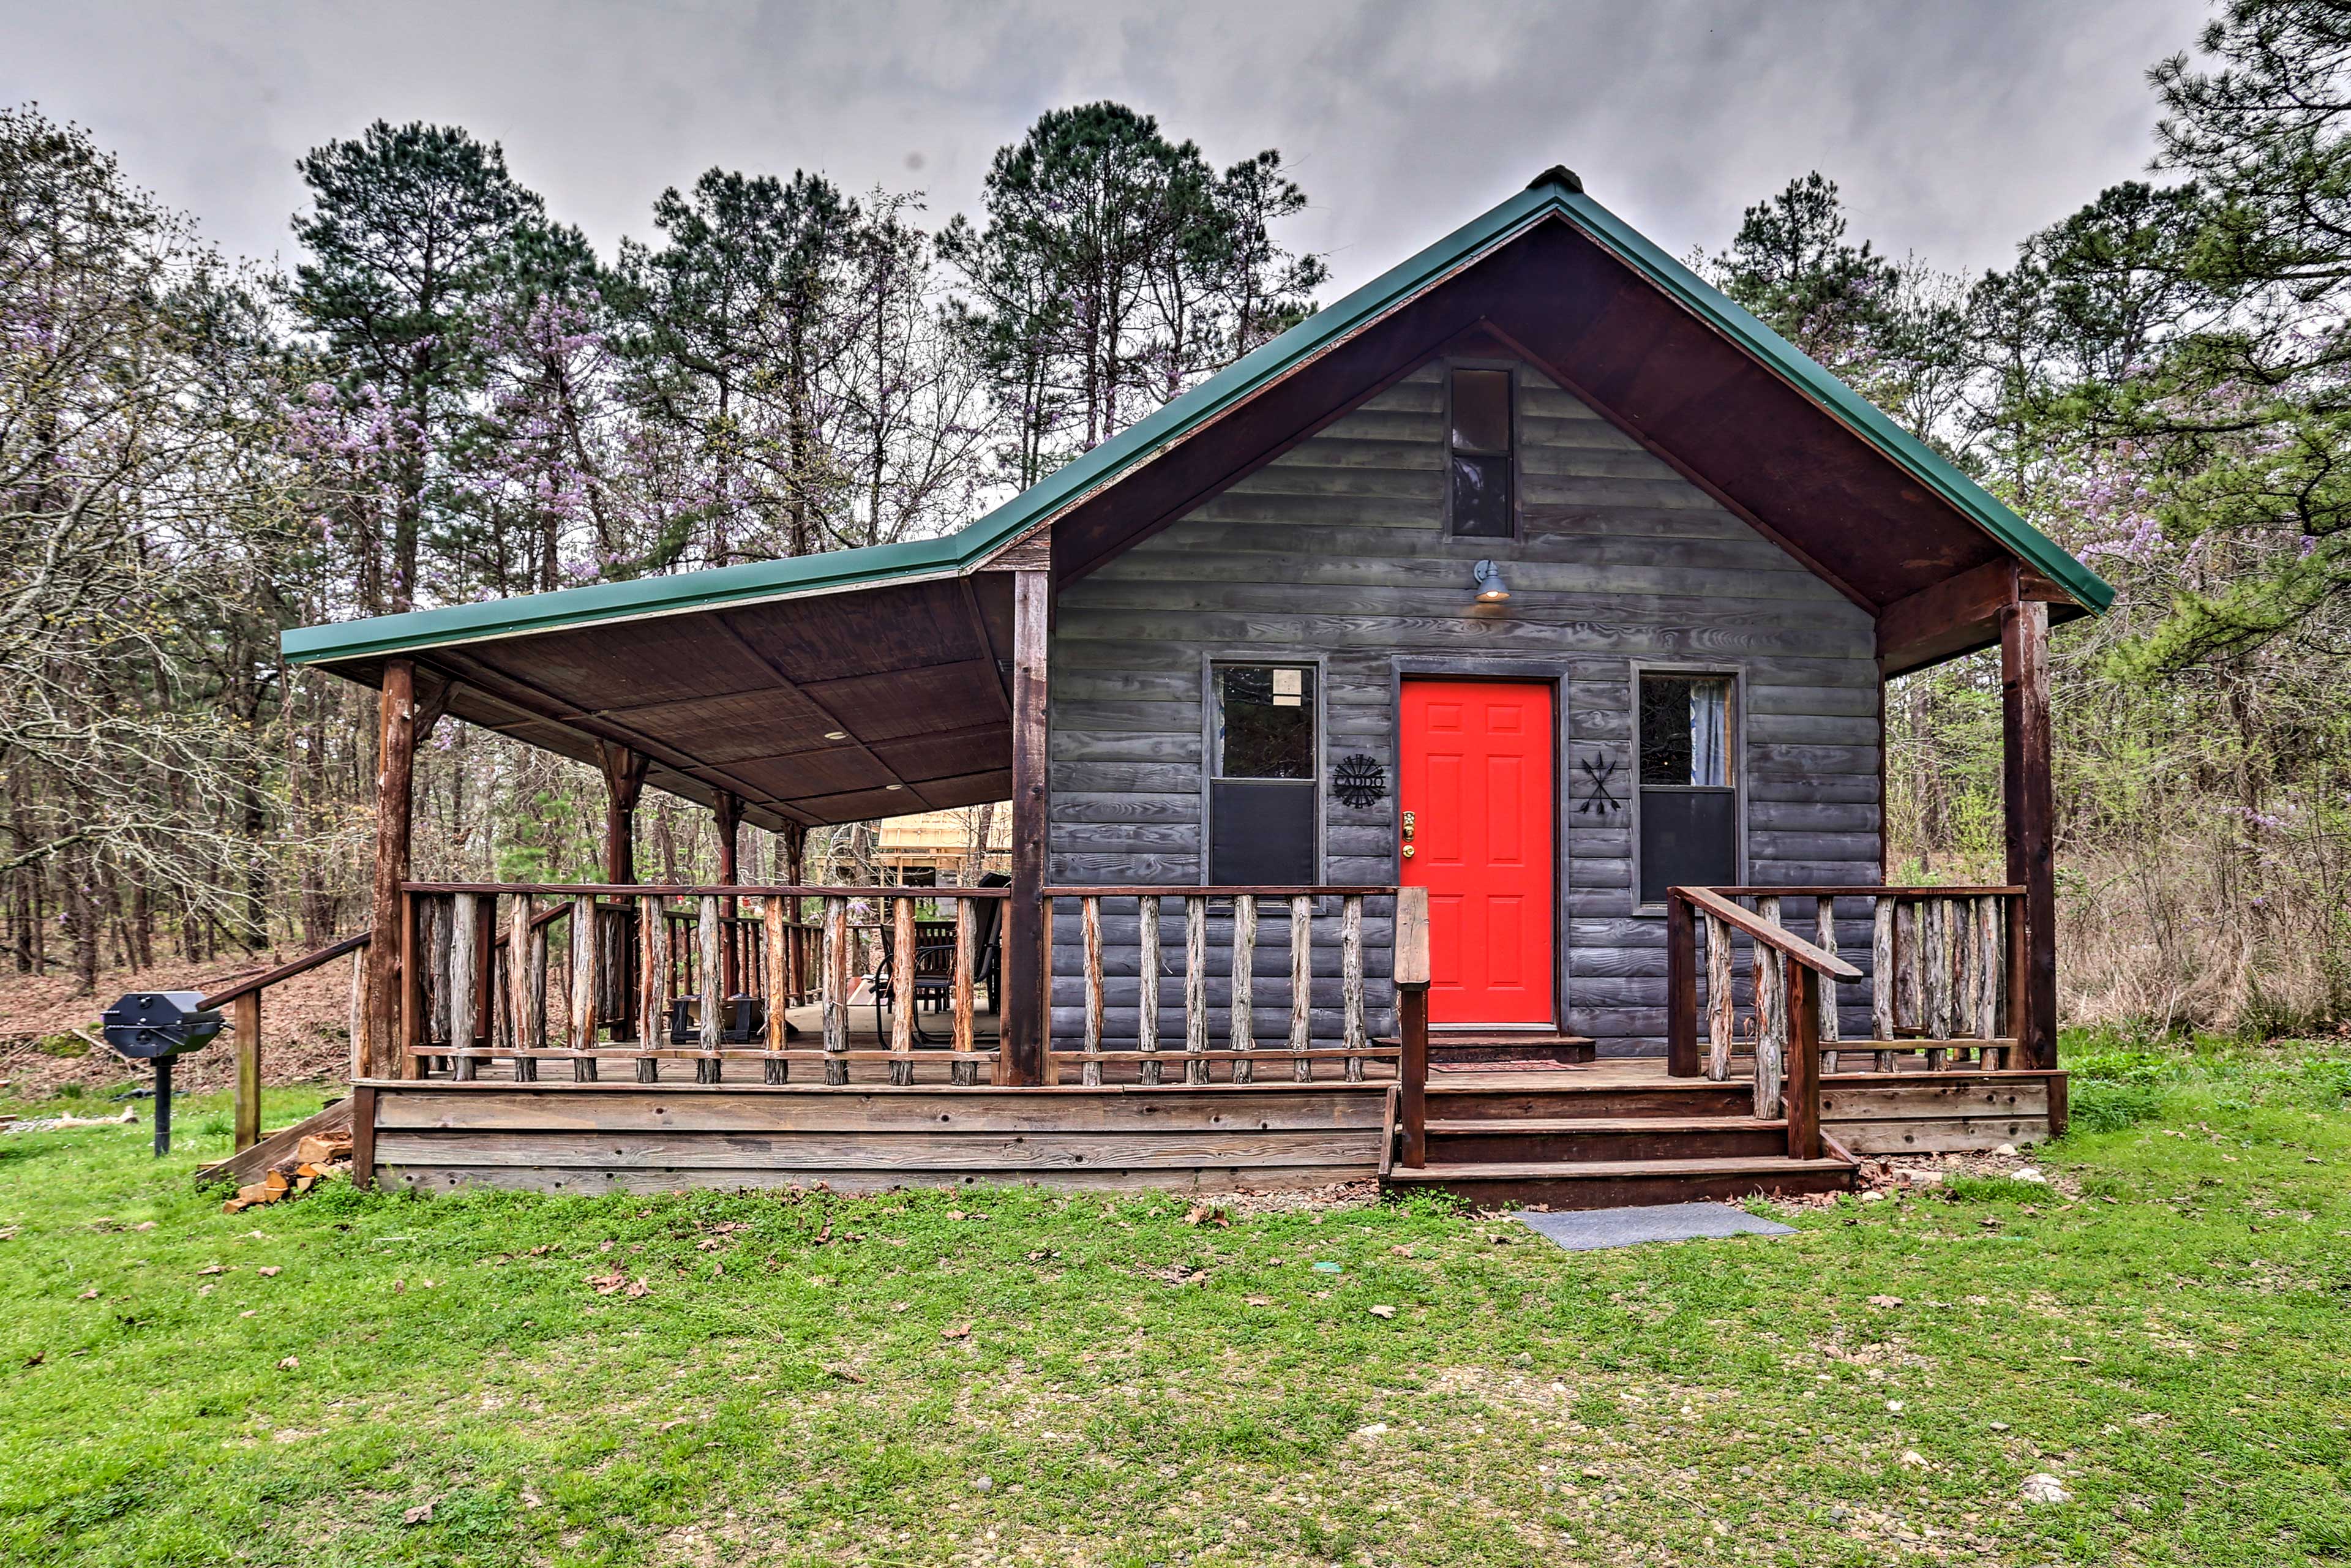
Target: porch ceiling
{"x":747,"y":698}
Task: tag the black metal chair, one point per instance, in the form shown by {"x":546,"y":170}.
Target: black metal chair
{"x":931,"y":973}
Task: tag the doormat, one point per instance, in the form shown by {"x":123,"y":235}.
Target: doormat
{"x":1589,"y":1230}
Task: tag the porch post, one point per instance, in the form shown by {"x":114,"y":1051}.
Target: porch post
{"x":727,"y":811}
{"x":395,"y":770}
{"x":625,"y":780}
{"x":1026,"y":1021}
{"x":2030,"y":817}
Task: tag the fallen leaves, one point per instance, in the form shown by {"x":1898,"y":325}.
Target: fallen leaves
{"x":291,"y":1364}
{"x":421,"y":1514}
{"x":615,"y":1283}
{"x":956,"y":1331}
{"x":1208,"y":1214}
{"x":1383,"y":1311}
{"x":269,"y":1270}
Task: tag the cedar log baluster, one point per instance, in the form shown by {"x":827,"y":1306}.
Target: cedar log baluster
{"x":709,"y":944}
{"x":1721,"y":999}
{"x":1351,"y":981}
{"x":777,"y":954}
{"x":1825,"y":922}
{"x":1147,"y":1007}
{"x":1883,"y":976}
{"x":1770,"y":968}
{"x":904,"y":973}
{"x":409,"y":985}
{"x":443,"y":1034}
{"x":1196,"y":987}
{"x":834,"y":989}
{"x":1044,"y":970}
{"x":653,"y":986}
{"x":1243,"y":1021}
{"x":1909,"y":999}
{"x":1411,"y":971}
{"x":1935,"y":917}
{"x":964,"y":1072}
{"x":1089,"y":926}
{"x":526,"y":1007}
{"x":583,"y":988}
{"x":359,"y":1012}
{"x":463,"y":926}
{"x":1301,"y":986}
{"x":1987,"y":979}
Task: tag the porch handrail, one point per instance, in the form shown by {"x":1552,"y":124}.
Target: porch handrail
{"x":700,"y":889}
{"x":244,"y":998}
{"x":1711,"y":900}
{"x":1797,"y":1004}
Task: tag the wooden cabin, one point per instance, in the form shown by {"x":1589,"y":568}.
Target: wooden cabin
{"x":1446,"y":746}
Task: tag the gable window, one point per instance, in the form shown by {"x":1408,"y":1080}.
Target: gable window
{"x":1689,"y":796}
{"x":1262,"y":778}
{"x":1480,"y":423}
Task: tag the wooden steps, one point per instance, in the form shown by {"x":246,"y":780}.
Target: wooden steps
{"x":1612,"y":1184}
{"x":1488,"y":1049}
{"x":1521,"y":1139}
{"x":1603,"y":1143}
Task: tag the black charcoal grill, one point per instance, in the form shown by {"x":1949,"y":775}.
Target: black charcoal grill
{"x":157,"y":1027}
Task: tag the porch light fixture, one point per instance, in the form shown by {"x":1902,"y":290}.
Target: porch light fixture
{"x":894,"y":786}
{"x":836,"y":735}
{"x":1488,"y":579}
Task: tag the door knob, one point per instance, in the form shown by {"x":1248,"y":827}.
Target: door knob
{"x":1408,"y":851}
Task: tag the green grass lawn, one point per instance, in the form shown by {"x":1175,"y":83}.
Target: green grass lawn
{"x":977,"y":1377}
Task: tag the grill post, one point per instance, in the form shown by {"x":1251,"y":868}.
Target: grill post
{"x":163,"y":1106}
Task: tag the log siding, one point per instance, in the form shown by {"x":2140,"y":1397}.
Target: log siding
{"x":1336,"y":555}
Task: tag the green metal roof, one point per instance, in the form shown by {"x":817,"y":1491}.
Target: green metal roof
{"x":1556,"y":194}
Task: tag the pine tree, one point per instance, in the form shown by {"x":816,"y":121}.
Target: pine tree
{"x":407,"y":231}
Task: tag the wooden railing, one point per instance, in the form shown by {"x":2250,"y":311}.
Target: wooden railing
{"x":1239,"y":1016}
{"x":655,"y":948}
{"x":1946,"y":976}
{"x":242,"y":998}
{"x":1795,"y":987}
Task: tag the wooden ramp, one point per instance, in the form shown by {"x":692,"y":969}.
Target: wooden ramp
{"x":243,"y":1168}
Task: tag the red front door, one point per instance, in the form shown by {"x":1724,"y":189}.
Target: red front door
{"x":1477,"y":795}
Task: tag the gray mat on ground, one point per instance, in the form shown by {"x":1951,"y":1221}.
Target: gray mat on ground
{"x":1586,"y":1230}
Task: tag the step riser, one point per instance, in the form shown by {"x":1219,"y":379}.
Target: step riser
{"x":1547,"y":1104}
{"x":1562,"y":1053}
{"x":1624,"y":1192}
{"x":1488,"y":1148}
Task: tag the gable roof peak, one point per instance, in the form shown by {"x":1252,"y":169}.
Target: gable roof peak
{"x":1559,"y":175}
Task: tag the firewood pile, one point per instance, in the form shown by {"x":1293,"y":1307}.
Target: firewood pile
{"x":315,"y":1158}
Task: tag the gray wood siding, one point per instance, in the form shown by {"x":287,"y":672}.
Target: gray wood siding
{"x":1336,"y":554}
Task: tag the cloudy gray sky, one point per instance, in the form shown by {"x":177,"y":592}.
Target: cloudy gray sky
{"x":1955,"y":126}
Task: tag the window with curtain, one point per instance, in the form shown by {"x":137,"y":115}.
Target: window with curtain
{"x":1480,"y":426}
{"x":1263,"y":778}
{"x":1690,"y":796}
